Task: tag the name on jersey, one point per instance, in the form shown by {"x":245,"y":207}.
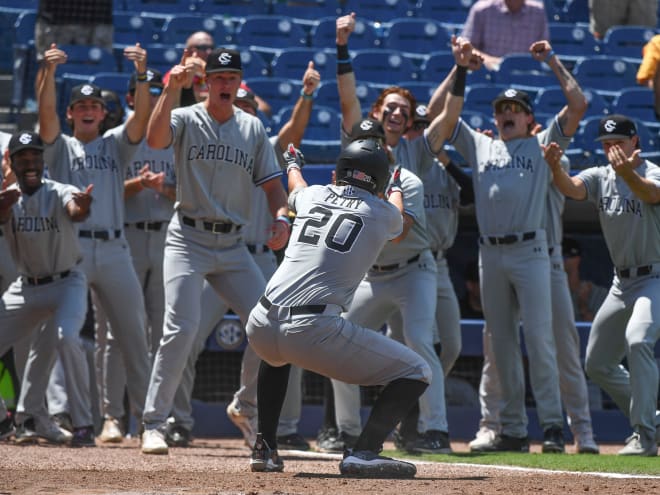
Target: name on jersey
{"x":95,"y":162}
{"x":222,"y":152}
{"x":155,"y":166}
{"x":35,"y":224}
{"x":618,"y":205}
{"x":434,"y":201}
{"x":335,"y":199}
{"x":517,"y":162}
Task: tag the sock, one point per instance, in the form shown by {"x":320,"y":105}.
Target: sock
{"x":392,"y":405}
{"x":271,"y":389}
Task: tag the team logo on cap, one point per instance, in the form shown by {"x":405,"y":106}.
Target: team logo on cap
{"x":421,"y":111}
{"x":87,"y":90}
{"x":510,"y":93}
{"x":241,"y":93}
{"x":224,"y":58}
{"x":150,"y":75}
{"x":366,"y":125}
{"x":25,"y":138}
{"x":609,"y":125}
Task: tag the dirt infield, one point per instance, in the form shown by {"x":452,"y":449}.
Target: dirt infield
{"x":219,"y":466}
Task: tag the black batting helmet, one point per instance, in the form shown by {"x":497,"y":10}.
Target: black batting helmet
{"x":364,"y":164}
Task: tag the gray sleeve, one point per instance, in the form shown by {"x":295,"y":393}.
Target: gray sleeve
{"x":591,"y":178}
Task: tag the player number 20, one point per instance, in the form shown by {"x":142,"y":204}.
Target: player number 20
{"x":342,"y":233}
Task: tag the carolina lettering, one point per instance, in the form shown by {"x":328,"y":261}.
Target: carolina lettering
{"x":222,"y":153}
{"x":155,"y":166}
{"x":434,"y":201}
{"x":93,"y":162}
{"x":619,"y":205}
{"x":335,"y":199}
{"x":518,"y":162}
{"x":35,"y":224}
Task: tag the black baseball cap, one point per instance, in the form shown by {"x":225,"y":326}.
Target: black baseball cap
{"x":570,"y":248}
{"x":421,"y":114}
{"x":616,"y":127}
{"x":367,"y":128}
{"x":154,"y":78}
{"x":25,"y":140}
{"x":517,"y":96}
{"x":224,"y":60}
{"x":86,"y":91}
{"x":244,"y":94}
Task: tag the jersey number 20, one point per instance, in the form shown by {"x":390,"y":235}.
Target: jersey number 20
{"x":342,"y":233}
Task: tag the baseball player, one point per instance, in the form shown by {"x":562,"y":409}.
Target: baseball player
{"x":511,"y":185}
{"x":220,"y":155}
{"x":85,"y":158}
{"x":37,"y":216}
{"x":409,"y":261}
{"x":149,"y":192}
{"x":7,"y":267}
{"x":337,"y":234}
{"x":242,"y":410}
{"x":627,"y":195}
{"x":572,"y":381}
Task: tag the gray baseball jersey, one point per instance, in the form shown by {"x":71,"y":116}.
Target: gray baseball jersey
{"x":7,"y":266}
{"x":511,"y":181}
{"x":336,"y":235}
{"x":43,"y":241}
{"x":628,"y":322}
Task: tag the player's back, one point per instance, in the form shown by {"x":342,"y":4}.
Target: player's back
{"x":336,"y":237}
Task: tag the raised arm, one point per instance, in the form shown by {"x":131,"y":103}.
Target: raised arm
{"x":136,"y":124}
{"x":437,"y":102}
{"x":576,"y":103}
{"x":49,"y":122}
{"x":159,"y":133}
{"x":646,"y":190}
{"x":294,"y":129}
{"x":571,"y":187}
{"x":443,"y":124}
{"x":348,"y":100}
{"x":78,"y":207}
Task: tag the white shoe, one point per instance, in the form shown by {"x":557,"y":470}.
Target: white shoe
{"x":485,"y":436}
{"x":153,"y":442}
{"x":634,"y":446}
{"x":47,"y":429}
{"x":111,"y":431}
{"x":246,"y":424}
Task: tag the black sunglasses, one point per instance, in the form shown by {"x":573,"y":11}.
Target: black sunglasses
{"x":203,"y":48}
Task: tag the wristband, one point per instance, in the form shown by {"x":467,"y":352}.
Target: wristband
{"x":283,"y":218}
{"x":344,"y":65}
{"x":305,"y":96}
{"x":292,"y":166}
{"x":141,"y":77}
{"x":458,"y":86}
{"x":549,"y":56}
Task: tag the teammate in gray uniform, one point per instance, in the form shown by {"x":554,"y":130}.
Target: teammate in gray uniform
{"x":7,"y":266}
{"x":149,"y":192}
{"x":409,"y":261}
{"x":337,"y":234}
{"x":89,"y":158}
{"x":511,"y":185}
{"x":220,"y":155}
{"x":572,"y":381}
{"x":627,"y":196}
{"x":242,"y":410}
{"x":37,"y":216}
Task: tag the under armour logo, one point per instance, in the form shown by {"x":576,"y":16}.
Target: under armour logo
{"x":609,"y":125}
{"x":25,"y":138}
{"x":366,"y":125}
{"x":87,"y":90}
{"x":224,"y":58}
{"x":510,"y":93}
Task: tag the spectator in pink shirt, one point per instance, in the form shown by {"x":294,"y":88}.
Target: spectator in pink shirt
{"x":501,"y":27}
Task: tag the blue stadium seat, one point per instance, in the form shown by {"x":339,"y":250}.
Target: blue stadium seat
{"x":293,"y":62}
{"x":8,"y":17}
{"x":323,"y":33}
{"x":479,"y":120}
{"x":278,"y":92}
{"x":131,"y":28}
{"x":172,"y":7}
{"x":455,"y":11}
{"x":575,"y":11}
{"x":160,"y":57}
{"x":627,"y":41}
{"x":637,"y":103}
{"x":328,"y":95}
{"x":479,"y":97}
{"x":235,"y":8}
{"x":383,"y":66}
{"x":254,"y":64}
{"x":571,"y":41}
{"x":436,"y":66}
{"x":324,"y":122}
{"x":87,"y":59}
{"x":605,"y":74}
{"x":270,"y":33}
{"x":379,"y":10}
{"x":419,"y":36}
{"x":522,"y":71}
{"x":177,"y":29}
{"x":25,"y":66}
{"x":307,"y":9}
{"x":115,"y":81}
{"x":421,"y":90}
{"x":551,"y":100}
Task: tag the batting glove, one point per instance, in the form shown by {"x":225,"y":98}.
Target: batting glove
{"x":293,"y":158}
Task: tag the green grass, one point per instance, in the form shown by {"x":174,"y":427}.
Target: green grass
{"x":604,"y":463}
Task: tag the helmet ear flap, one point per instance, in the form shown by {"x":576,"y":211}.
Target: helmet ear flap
{"x":364,"y":164}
